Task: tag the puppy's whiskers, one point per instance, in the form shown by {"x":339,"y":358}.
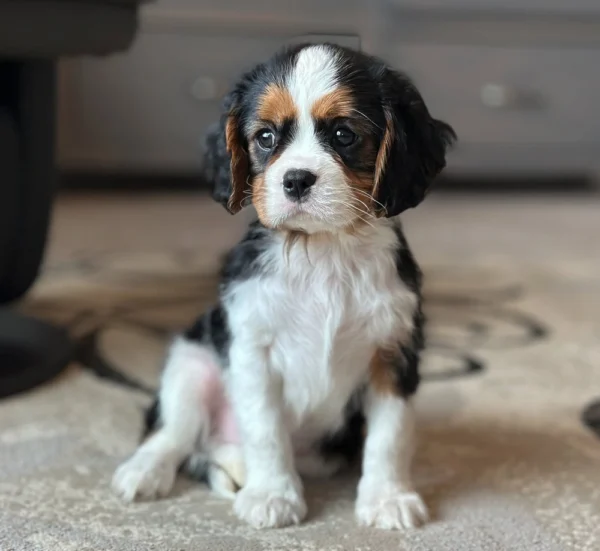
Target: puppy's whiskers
{"x":368,"y":118}
{"x":371,"y":198}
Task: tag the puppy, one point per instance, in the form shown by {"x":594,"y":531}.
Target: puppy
{"x":311,"y":354}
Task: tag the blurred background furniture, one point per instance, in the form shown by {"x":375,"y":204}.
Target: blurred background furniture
{"x":518,"y":79}
{"x":34,"y":34}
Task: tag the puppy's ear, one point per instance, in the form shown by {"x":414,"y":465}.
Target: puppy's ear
{"x":226,"y":162}
{"x":413,"y":146}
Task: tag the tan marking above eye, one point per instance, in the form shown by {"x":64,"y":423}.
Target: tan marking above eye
{"x":338,"y":103}
{"x":276,"y":105}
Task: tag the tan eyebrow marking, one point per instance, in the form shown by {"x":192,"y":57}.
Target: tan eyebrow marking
{"x":338,"y":103}
{"x":276,"y":105}
{"x":384,"y":150}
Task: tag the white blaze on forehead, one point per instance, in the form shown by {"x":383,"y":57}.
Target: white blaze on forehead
{"x":313,"y":76}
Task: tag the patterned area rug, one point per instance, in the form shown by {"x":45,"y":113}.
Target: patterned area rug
{"x":504,"y":463}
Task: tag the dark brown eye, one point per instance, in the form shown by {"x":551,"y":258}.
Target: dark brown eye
{"x":344,"y":137}
{"x":266,"y":140}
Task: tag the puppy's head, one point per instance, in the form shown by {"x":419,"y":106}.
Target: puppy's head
{"x":320,"y":138}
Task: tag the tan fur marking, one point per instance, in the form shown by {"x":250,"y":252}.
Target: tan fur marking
{"x":384,"y":151}
{"x":239,"y":167}
{"x":381,"y":374}
{"x":361,"y":181}
{"x":361,"y":185}
{"x":259,"y":199}
{"x":276,"y":105}
{"x":259,"y":191}
{"x":338,"y":103}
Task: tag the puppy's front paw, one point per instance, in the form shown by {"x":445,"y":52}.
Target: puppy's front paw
{"x":146,"y":476}
{"x":270,"y":507}
{"x":389,"y":507}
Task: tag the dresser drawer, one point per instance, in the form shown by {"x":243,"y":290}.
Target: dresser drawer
{"x":150,"y":107}
{"x":270,"y":15}
{"x":508,"y":96}
{"x":527,"y":7}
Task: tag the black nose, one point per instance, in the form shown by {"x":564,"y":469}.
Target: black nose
{"x":296,"y":183}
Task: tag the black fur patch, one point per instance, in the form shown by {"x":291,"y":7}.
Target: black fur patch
{"x":196,"y":467}
{"x":418,"y":142}
{"x":151,"y":418}
{"x":406,"y":265}
{"x":408,"y":357}
{"x":347,"y":442}
{"x":197,"y":331}
{"x":591,"y":417}
{"x":220,"y":335}
{"x":243,"y":261}
{"x":211,"y":329}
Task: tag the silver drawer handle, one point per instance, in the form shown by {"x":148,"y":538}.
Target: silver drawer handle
{"x":501,"y":96}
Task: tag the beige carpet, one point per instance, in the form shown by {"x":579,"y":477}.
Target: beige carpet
{"x":504,"y":463}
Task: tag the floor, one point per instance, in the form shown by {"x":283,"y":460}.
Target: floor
{"x":504,"y":463}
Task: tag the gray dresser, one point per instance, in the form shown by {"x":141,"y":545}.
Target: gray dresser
{"x":519,"y":80}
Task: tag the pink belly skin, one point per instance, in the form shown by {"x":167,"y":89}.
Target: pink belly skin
{"x":225,"y":425}
{"x":213,"y":396}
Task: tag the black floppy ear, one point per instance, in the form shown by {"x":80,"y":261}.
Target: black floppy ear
{"x":413,"y":146}
{"x":226,"y":163}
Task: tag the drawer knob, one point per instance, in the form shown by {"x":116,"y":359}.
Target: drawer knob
{"x":501,"y":96}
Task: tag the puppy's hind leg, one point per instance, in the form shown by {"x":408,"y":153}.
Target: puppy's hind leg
{"x":191,"y":376}
{"x":221,"y":466}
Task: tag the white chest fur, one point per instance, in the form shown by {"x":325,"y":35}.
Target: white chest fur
{"x":320,"y":314}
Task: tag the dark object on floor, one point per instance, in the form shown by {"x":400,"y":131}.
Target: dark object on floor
{"x":33,"y":34}
{"x":591,"y":416}
{"x":31,"y":352}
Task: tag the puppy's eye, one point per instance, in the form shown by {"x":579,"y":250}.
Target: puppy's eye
{"x":266,"y":140}
{"x":344,"y":137}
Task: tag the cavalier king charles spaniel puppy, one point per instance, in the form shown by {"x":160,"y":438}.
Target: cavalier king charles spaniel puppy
{"x":310,"y":357}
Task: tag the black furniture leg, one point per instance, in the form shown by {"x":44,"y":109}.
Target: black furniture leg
{"x":30,"y":351}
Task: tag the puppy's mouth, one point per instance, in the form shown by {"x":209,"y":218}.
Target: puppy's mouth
{"x":308,"y":216}
{"x":295,"y":213}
